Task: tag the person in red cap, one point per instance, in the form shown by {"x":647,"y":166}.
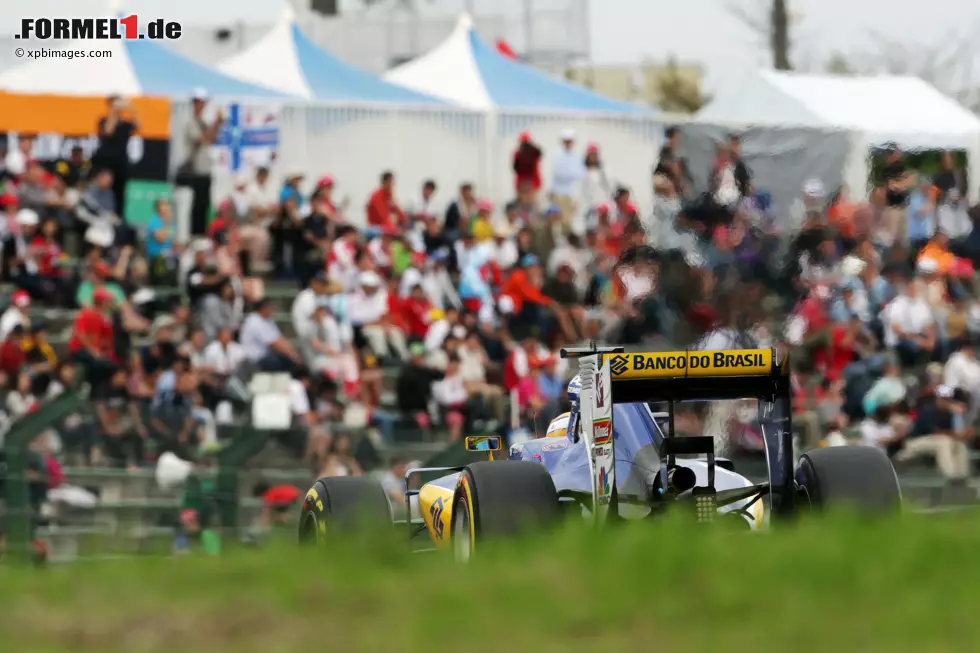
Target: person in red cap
{"x":527,"y":162}
{"x":19,"y":301}
{"x":92,"y":337}
{"x":382,"y":209}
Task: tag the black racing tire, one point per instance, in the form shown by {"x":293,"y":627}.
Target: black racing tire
{"x":501,"y":499}
{"x":857,"y":476}
{"x":343,"y":504}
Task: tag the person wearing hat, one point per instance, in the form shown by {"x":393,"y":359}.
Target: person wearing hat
{"x":503,"y":248}
{"x":527,"y":163}
{"x":567,"y":175}
{"x":286,"y":226}
{"x":367,"y":312}
{"x":195,"y":171}
{"x":16,"y":314}
{"x":92,"y":341}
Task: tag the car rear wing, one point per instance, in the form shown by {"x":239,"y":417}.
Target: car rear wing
{"x":611,"y":376}
{"x":698,"y":375}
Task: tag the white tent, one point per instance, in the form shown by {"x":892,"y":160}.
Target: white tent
{"x":464,"y":71}
{"x":877,"y":110}
{"x":286,"y":60}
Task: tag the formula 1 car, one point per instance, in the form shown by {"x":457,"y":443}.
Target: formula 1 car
{"x":618,"y":459}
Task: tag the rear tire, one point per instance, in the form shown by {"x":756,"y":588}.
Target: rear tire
{"x":342,"y":504}
{"x":500,"y":499}
{"x":857,"y":476}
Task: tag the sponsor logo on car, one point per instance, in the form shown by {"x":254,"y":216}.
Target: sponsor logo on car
{"x":602,"y":451}
{"x":619,"y":364}
{"x":554,"y":445}
{"x":746,"y":362}
{"x":602,"y":487}
{"x":601,"y":432}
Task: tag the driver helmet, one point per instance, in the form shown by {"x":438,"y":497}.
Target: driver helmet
{"x":559,"y":426}
{"x":575,"y":388}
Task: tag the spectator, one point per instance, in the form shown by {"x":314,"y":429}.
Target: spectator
{"x":671,"y":165}
{"x":12,"y":357}
{"x":743,"y":177}
{"x":393,"y":482}
{"x":161,"y":247}
{"x":52,"y":280}
{"x":368,"y":314}
{"x":426,"y":207}
{"x":21,"y":399}
{"x":263,"y":342}
{"x":527,"y":163}
{"x":224,"y":356}
{"x":551,"y":388}
{"x":569,"y":172}
{"x":218,"y":312}
{"x":195,"y":171}
{"x":457,"y":215}
{"x":340,"y":460}
{"x":909,"y":325}
{"x":897,"y":182}
{"x":942,"y":432}
{"x":15,"y":315}
{"x":596,"y":188}
{"x":382,"y":209}
{"x":305,"y":418}
{"x":453,"y":399}
{"x":119,"y":421}
{"x":879,"y":431}
{"x":115,"y":129}
{"x":16,"y":160}
{"x":92,"y":339}
{"x":414,"y":387}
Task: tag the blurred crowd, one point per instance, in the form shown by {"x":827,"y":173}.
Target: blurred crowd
{"x":464,"y":303}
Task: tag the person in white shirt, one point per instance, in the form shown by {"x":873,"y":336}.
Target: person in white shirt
{"x":367,"y":311}
{"x":264,"y":344}
{"x":16,"y":160}
{"x":569,"y":171}
{"x":306,"y":301}
{"x":224,"y":356}
{"x":426,"y":206}
{"x":962,"y":371}
{"x":439,"y":330}
{"x":878,"y":431}
{"x":451,"y":395}
{"x":909,"y":325}
{"x":503,"y":248}
{"x":15,"y":315}
{"x":327,"y":346}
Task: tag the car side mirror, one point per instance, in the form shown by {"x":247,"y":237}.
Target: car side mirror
{"x":483,"y":443}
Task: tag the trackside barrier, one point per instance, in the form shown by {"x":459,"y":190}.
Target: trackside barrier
{"x":16,"y":448}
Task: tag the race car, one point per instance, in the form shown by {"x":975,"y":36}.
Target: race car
{"x":614,"y":457}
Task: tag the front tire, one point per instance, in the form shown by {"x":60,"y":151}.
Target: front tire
{"x":500,"y":499}
{"x":857,"y":476}
{"x":342,"y":504}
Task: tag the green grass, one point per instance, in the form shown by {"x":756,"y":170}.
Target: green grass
{"x":822,"y":586}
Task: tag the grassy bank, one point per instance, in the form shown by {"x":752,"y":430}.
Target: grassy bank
{"x":905,"y":586}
